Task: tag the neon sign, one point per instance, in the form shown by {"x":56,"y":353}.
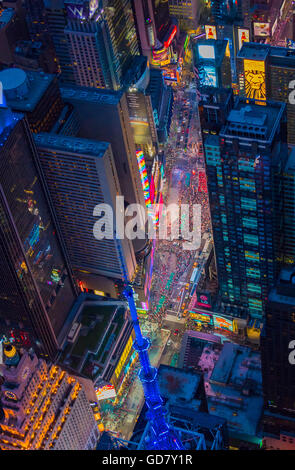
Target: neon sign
{"x":170,"y":39}
{"x":143,"y":177}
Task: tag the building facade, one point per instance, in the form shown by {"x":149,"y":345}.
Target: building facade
{"x":56,"y":21}
{"x":104,"y":116}
{"x":81,"y":174}
{"x":90,"y":44}
{"x":44,"y":407}
{"x":243,"y":164}
{"x":278,"y":362}
{"x":266,"y":72}
{"x":37,"y":289}
{"x":186,"y":13}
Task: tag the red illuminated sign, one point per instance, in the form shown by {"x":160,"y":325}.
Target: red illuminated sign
{"x":169,"y":40}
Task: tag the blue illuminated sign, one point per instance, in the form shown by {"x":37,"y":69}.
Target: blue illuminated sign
{"x":207,"y":74}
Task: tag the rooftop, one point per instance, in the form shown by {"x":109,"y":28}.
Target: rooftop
{"x":212,"y":100}
{"x":284,"y":292}
{"x":254,"y":51}
{"x":178,"y":386}
{"x":235,"y":365}
{"x":31,"y":85}
{"x":101,"y":325}
{"x":93,"y":95}
{"x":234,"y":390}
{"x":249,"y":120}
{"x":71,"y":144}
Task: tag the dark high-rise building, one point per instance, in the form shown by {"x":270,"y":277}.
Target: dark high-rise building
{"x":278,"y":369}
{"x":186,"y":13}
{"x":36,"y":288}
{"x":120,"y":18}
{"x":278,"y":363}
{"x":56,"y":21}
{"x":145,"y":25}
{"x":36,"y":19}
{"x":214,"y":107}
{"x":95,"y":63}
{"x":229,"y":12}
{"x":161,"y":10}
{"x":265,"y":72}
{"x":162,"y":102}
{"x":243,"y":163}
{"x":102,"y":41}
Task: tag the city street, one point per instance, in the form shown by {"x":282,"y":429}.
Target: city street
{"x":184,"y":170}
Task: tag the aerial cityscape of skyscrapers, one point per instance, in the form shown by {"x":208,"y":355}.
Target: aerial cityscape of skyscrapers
{"x":147,"y":225}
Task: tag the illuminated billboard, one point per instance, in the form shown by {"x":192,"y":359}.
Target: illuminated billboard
{"x":210,"y":32}
{"x":254,"y":71}
{"x":243,"y":36}
{"x":106,"y":392}
{"x":206,"y":51}
{"x":261,"y":29}
{"x":207,"y":76}
{"x":222,"y":323}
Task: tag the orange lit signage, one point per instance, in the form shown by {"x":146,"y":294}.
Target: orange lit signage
{"x":254,"y":71}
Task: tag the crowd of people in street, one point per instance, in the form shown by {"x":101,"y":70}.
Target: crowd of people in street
{"x":183,"y":165}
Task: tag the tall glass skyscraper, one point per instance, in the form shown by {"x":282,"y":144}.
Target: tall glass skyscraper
{"x":36,"y":289}
{"x":120,"y":17}
{"x":244,"y":161}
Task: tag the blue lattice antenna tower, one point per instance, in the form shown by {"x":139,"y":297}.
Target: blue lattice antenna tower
{"x":160,"y":435}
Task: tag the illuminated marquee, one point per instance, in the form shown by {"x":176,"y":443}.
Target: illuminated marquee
{"x":254,"y":71}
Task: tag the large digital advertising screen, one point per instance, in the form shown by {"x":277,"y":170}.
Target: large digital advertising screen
{"x":206,"y":51}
